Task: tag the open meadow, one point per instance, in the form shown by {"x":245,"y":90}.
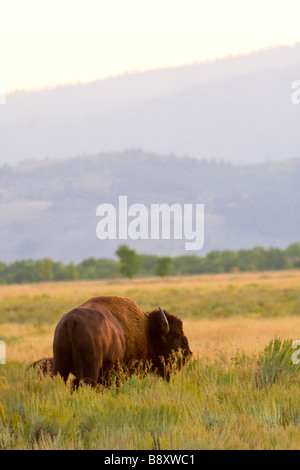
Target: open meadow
{"x":231,"y":395}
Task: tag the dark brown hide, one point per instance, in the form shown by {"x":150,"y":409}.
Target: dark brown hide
{"x":160,"y":346}
{"x":91,"y":339}
{"x":45,"y":366}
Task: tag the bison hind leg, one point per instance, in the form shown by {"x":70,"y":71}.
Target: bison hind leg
{"x":76,"y":383}
{"x":90,"y":377}
{"x":62,"y":366}
{"x":63,"y":371}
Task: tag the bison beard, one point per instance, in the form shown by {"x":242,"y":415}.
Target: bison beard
{"x":91,"y":340}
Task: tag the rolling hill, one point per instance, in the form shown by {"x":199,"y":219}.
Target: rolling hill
{"x":237,"y":110}
{"x":48,"y":208}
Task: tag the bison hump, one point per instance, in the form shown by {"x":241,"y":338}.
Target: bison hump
{"x":132,"y":319}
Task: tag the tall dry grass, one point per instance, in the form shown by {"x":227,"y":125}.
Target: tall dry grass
{"x":234,"y":394}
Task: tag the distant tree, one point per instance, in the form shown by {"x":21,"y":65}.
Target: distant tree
{"x":148,"y":264}
{"x":293,"y":255}
{"x":245,"y":260}
{"x":59,"y":271}
{"x":129,"y":261}
{"x":2,"y":273}
{"x":213,"y":262}
{"x":274,"y":259}
{"x":259,"y":258}
{"x":72,"y":272}
{"x":45,"y":270}
{"x":163,"y":266}
{"x":188,"y":264}
{"x":229,"y":261}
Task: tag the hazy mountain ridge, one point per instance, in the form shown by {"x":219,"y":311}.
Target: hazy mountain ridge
{"x":48,"y":209}
{"x":235,"y":109}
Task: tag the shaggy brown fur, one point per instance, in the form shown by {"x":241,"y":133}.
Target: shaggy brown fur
{"x":45,"y":366}
{"x":93,"y":338}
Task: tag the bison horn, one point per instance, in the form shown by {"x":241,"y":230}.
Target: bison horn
{"x":164,"y":322}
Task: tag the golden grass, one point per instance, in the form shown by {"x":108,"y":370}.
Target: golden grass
{"x":214,"y":403}
{"x":209,"y":339}
{"x":76,"y":289}
{"x":229,"y":336}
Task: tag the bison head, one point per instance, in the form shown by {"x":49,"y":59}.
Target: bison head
{"x":166,"y":337}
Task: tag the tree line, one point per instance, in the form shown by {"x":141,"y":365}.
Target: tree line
{"x":131,"y":264}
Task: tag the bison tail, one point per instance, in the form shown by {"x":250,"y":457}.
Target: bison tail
{"x":78,"y":364}
{"x":84,"y":367}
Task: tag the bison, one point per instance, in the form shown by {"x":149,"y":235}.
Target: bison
{"x":92,"y":339}
{"x":45,"y":366}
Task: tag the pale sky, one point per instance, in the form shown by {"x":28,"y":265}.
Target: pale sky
{"x":50,"y":42}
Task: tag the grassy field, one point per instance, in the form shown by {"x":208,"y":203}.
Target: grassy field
{"x":216,"y":402}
